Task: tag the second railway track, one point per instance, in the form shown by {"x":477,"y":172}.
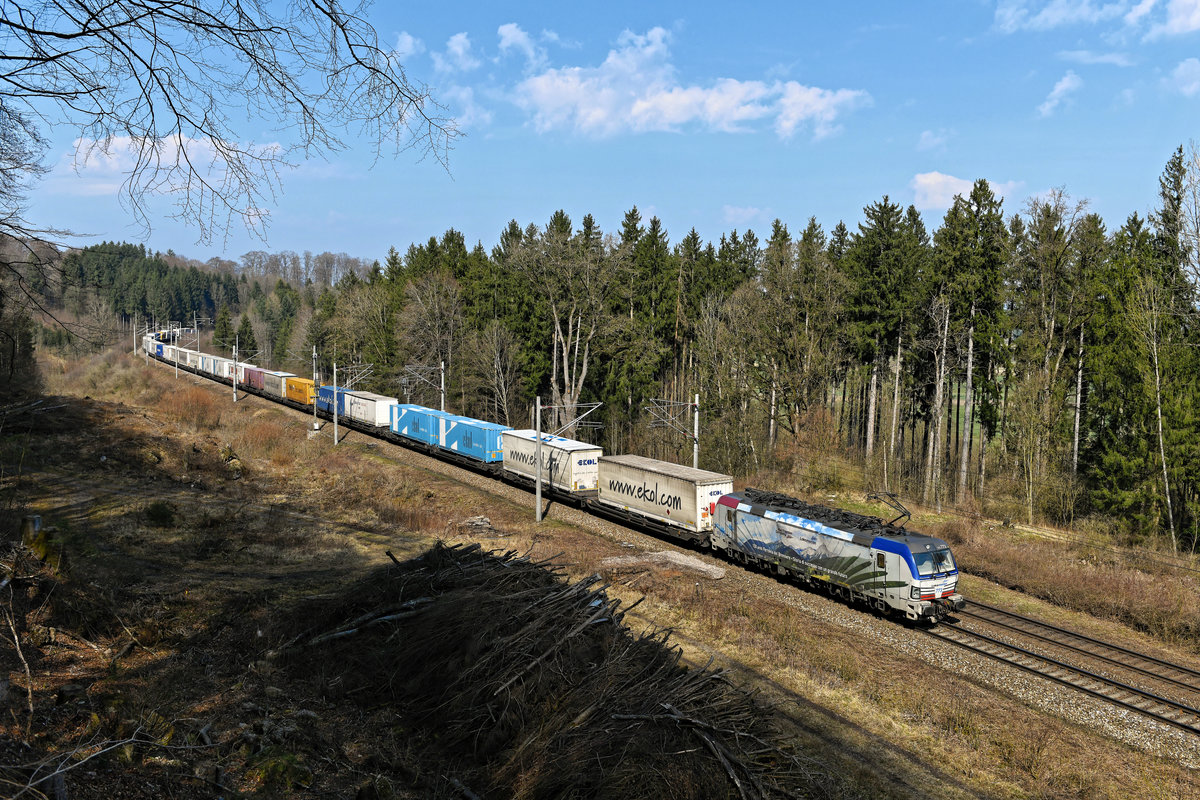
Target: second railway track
{"x":1161,"y":690}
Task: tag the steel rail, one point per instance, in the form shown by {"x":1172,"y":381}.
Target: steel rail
{"x":1117,"y":655}
{"x":1077,"y":678}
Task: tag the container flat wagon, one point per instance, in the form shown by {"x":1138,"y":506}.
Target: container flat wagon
{"x":415,"y":423}
{"x":330,"y":398}
{"x":254,"y":377}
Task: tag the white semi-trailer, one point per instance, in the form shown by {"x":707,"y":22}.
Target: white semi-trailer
{"x":370,"y":408}
{"x":566,"y":464}
{"x":676,"y":499}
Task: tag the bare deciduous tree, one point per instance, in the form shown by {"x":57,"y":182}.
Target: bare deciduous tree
{"x":1190,"y":214}
{"x":432,"y":320}
{"x":170,"y":87}
{"x":573,"y":280}
{"x":491,"y":356}
{"x":168,"y":83}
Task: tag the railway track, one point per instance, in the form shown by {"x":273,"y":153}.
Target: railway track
{"x":1180,"y":709}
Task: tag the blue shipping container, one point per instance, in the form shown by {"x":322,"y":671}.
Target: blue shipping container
{"x":417,"y":423}
{"x":158,"y":350}
{"x":325,"y":399}
{"x":472,"y":437}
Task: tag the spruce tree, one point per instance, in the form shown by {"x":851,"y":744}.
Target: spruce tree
{"x":246,"y":342}
{"x":880,"y":275}
{"x":1119,"y":456}
{"x":223,"y":330}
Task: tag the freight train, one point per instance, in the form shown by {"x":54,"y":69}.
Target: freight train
{"x":860,"y":558}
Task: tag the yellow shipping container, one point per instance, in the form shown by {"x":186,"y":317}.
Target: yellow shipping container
{"x":301,"y":390}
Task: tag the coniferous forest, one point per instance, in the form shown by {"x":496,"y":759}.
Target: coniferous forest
{"x":1037,"y":364}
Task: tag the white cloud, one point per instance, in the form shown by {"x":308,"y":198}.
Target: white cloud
{"x":740,"y":215}
{"x":96,"y":168}
{"x":1088,"y":57}
{"x":1058,"y":95}
{"x":636,"y":90}
{"x":935,"y":191}
{"x":458,"y":56}
{"x":1140,"y":10}
{"x":1183,"y":16}
{"x":1015,"y":15}
{"x":467,"y":112}
{"x":1186,"y":77}
{"x":822,"y":107}
{"x":408,"y":45}
{"x":931,"y":140}
{"x":512,"y":37}
{"x":724,"y":107}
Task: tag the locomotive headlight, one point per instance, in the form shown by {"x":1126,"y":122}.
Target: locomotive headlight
{"x":915,"y":592}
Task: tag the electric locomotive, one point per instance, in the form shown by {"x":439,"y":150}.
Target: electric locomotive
{"x":861,"y":558}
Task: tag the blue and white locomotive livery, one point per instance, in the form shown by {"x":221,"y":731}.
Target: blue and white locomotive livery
{"x":861,"y":558}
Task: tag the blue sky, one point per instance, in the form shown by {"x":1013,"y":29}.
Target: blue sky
{"x":720,"y":117}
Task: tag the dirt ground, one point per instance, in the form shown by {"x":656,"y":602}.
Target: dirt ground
{"x":184,"y":539}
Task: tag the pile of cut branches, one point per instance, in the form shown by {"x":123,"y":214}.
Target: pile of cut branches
{"x":535,"y":688}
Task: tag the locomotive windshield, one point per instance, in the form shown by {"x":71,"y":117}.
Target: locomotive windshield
{"x":934,"y":561}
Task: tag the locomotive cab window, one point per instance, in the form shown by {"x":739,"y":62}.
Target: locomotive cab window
{"x":730,"y":516}
{"x":935,"y":561}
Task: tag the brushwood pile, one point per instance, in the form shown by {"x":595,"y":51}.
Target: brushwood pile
{"x":521,"y":684}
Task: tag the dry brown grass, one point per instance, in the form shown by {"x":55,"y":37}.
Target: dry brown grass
{"x":196,"y":406}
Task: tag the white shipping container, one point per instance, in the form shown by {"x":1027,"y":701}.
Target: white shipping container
{"x":566,"y":464}
{"x":224,"y":367}
{"x":273,"y":383}
{"x":677,"y":495}
{"x":190,"y":357}
{"x":370,"y":408}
